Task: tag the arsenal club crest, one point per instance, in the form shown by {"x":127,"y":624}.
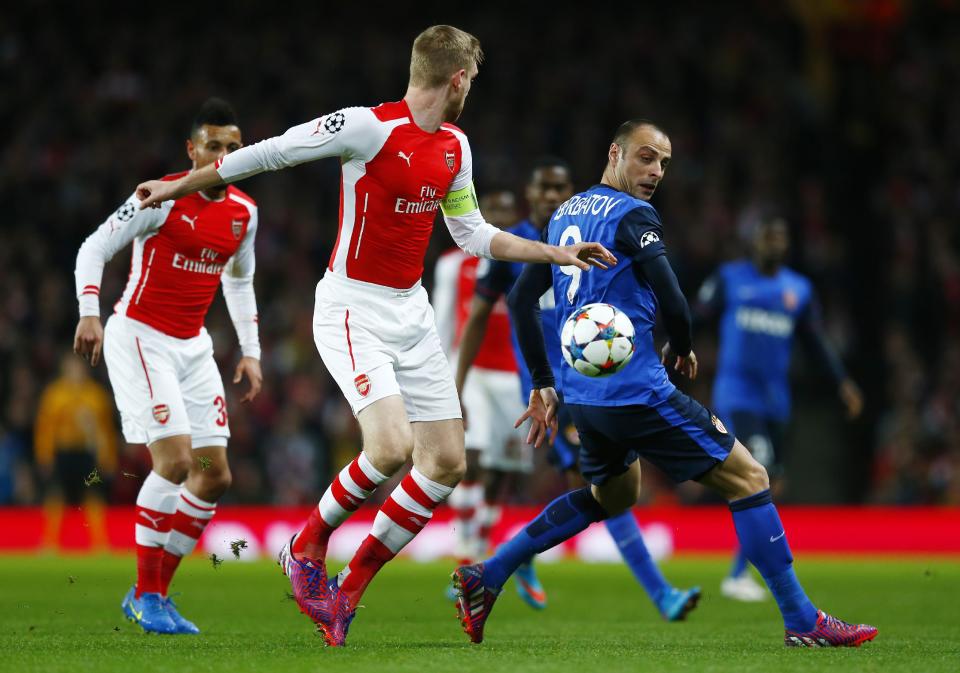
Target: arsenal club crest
{"x":237,"y":228}
{"x":161,"y":414}
{"x":362,"y":382}
{"x":451,"y":160}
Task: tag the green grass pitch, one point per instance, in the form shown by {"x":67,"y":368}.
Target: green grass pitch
{"x":62,"y":614}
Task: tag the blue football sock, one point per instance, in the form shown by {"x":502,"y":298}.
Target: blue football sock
{"x":626,"y":533}
{"x":560,"y":520}
{"x":739,"y":563}
{"x":764,"y":542}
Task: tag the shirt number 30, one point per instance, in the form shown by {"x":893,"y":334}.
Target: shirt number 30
{"x":571,"y":236}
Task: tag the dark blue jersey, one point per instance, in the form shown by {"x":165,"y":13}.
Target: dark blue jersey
{"x":630,"y":228}
{"x":496,"y":278}
{"x":759,"y":316}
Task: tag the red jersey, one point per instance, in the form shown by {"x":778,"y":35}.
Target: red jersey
{"x":457,"y":271}
{"x":395,"y":176}
{"x":180,"y":251}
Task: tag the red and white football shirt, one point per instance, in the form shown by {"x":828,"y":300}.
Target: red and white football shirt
{"x":454,"y":282}
{"x":394,"y":177}
{"x":180,"y":252}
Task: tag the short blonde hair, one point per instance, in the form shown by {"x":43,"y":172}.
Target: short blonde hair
{"x":440,"y":51}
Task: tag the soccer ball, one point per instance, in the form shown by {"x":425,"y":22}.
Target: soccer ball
{"x":597,"y":340}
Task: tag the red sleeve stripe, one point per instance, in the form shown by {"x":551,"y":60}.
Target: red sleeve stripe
{"x":95,"y":293}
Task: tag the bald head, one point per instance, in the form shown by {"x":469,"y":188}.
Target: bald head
{"x":637,"y":158}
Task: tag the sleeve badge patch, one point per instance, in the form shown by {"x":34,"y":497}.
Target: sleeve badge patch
{"x":648,"y":238}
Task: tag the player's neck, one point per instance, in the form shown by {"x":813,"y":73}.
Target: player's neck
{"x":215,"y":193}
{"x":766,"y":268}
{"x":427,"y":107}
{"x":610,"y":180}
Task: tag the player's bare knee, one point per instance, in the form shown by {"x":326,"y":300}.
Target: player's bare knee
{"x":173,"y":468}
{"x":388,"y":453}
{"x":445,"y":468}
{"x":615,"y":500}
{"x":211,"y":483}
{"x":757,"y":478}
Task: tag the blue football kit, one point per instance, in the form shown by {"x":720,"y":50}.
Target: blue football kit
{"x":637,"y":411}
{"x":495,"y":279}
{"x":634,"y":412}
{"x":759,"y":316}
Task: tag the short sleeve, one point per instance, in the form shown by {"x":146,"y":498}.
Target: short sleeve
{"x":464,"y":176}
{"x":640,"y":235}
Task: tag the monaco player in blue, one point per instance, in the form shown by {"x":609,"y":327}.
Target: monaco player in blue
{"x":548,"y":187}
{"x":637,"y":411}
{"x":761,"y":306}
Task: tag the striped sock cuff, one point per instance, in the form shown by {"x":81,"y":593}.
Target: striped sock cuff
{"x":349,"y":489}
{"x":437,"y":491}
{"x":191,"y":519}
{"x":156,"y":504}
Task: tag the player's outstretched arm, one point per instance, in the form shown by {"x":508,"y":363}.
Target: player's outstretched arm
{"x":583,"y":255}
{"x":154,"y":192}
{"x":524,"y":304}
{"x":478,"y":237}
{"x":351,"y":132}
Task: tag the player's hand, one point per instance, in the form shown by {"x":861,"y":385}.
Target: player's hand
{"x":250,"y":367}
{"x":542,"y":412}
{"x":685,"y":365}
{"x":88,"y":340}
{"x":852,"y":398}
{"x":582,"y":255}
{"x":154,"y":192}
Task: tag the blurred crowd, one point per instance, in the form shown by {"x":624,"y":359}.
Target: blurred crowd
{"x":844,"y":117}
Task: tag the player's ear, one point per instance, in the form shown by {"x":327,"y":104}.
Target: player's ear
{"x":614,"y":154}
{"x":191,"y":150}
{"x":456,"y":81}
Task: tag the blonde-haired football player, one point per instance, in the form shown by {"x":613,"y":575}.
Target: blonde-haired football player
{"x":401,"y":163}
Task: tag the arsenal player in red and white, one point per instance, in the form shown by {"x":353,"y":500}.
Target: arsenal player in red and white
{"x":160,"y":358}
{"x":374,"y":328}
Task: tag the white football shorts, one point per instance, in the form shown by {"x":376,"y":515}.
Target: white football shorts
{"x":164,"y":386}
{"x":377,"y":341}
{"x":492,"y":402}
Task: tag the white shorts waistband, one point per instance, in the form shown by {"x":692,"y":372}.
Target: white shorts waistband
{"x":334,"y":282}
